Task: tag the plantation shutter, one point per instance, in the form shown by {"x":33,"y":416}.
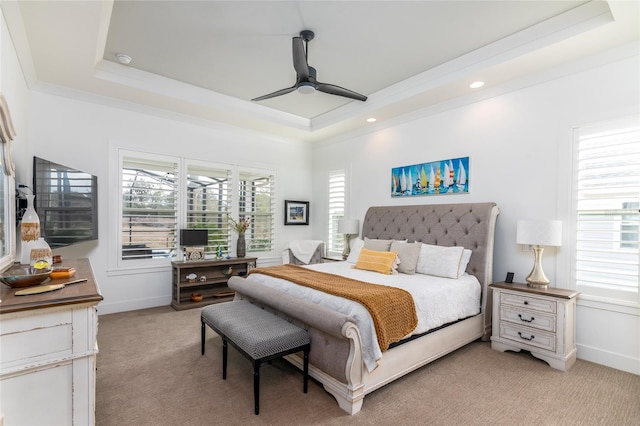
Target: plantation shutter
{"x":149,"y":209}
{"x":608,"y":215}
{"x":209,"y":203}
{"x":257,"y":202}
{"x":336,"y":211}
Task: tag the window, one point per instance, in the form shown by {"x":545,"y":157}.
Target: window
{"x":7,"y":188}
{"x":161,"y":195}
{"x":7,"y":224}
{"x":336,"y":198}
{"x":256,"y":201}
{"x":209,"y":204}
{"x":149,"y":208}
{"x":607,"y":255}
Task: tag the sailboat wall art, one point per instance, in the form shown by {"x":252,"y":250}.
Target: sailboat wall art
{"x":435,"y":178}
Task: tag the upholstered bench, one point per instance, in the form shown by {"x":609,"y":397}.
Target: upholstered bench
{"x":257,"y":334}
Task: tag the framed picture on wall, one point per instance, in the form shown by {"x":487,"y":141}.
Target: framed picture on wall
{"x":296,"y":212}
{"x":450,"y":176}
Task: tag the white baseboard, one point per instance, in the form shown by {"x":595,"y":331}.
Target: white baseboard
{"x":610,"y":359}
{"x":133,"y":305}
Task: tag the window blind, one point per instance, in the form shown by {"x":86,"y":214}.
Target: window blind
{"x":607,"y":194}
{"x":149,"y":210}
{"x":336,"y":198}
{"x":257,"y":202}
{"x":208,"y":204}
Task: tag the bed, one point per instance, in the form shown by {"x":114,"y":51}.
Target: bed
{"x":337,"y":358}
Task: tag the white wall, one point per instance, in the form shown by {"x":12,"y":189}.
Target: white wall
{"x":79,"y":134}
{"x":518,"y":144}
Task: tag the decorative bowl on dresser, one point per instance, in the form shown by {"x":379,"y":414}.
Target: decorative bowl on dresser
{"x":20,"y":276}
{"x":541,"y":321}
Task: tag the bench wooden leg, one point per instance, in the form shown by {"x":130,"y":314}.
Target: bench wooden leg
{"x":305,"y":386}
{"x":256,"y":386}
{"x":202,"y":335}
{"x":224,"y":359}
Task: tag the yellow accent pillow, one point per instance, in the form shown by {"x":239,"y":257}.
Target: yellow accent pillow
{"x":385,"y":262}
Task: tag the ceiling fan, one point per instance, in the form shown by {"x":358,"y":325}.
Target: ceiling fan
{"x":306,"y":76}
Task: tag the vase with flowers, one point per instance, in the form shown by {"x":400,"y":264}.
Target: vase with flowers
{"x":241,"y":227}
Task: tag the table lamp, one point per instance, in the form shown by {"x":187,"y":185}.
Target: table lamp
{"x":539,"y":233}
{"x":348,"y":227}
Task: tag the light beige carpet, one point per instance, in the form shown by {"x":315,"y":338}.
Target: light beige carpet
{"x":150,"y":372}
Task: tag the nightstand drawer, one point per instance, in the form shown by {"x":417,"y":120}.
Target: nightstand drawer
{"x":542,"y":305}
{"x":528,"y":336}
{"x":540,"y":320}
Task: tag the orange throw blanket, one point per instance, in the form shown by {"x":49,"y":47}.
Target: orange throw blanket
{"x":392,"y":309}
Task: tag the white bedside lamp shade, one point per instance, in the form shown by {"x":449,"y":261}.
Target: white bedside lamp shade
{"x":539,"y":233}
{"x":348,"y":227}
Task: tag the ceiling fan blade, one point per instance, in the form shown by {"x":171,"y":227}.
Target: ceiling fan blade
{"x":300,"y":59}
{"x":276,"y":93}
{"x":332,"y":89}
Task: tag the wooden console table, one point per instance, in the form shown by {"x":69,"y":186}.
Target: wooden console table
{"x":210,"y":280}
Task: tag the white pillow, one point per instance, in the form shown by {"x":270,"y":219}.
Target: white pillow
{"x":440,"y":261}
{"x":466,"y":257}
{"x":355,"y":246}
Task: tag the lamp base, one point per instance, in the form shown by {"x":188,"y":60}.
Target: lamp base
{"x":347,"y":248}
{"x":537,"y":278}
{"x":538,"y":285}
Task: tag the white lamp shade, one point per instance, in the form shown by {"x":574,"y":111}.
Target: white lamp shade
{"x":348,"y":226}
{"x":539,"y":232}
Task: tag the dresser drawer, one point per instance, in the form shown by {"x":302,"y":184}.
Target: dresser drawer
{"x":535,"y":319}
{"x":528,"y":336}
{"x":31,"y":339}
{"x":522,"y":300}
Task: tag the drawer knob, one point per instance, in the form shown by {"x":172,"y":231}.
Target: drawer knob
{"x":526,"y":338}
{"x":526,"y":303}
{"x":524,"y":319}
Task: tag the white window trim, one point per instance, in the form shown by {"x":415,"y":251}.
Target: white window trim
{"x":329,"y":248}
{"x":115,"y":248}
{"x":183,"y":195}
{"x":115,"y":264}
{"x":235,"y":208}
{"x":565,"y":261}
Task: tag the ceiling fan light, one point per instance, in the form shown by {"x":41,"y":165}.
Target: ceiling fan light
{"x":306,"y":88}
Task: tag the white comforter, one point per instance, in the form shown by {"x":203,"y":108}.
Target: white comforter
{"x":438,"y":300}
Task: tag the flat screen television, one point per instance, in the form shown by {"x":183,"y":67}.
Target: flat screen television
{"x":194,"y":237}
{"x":66,"y":200}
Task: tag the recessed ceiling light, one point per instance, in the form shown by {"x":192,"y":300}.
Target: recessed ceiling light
{"x":371,"y":120}
{"x":476,"y":84}
{"x":124,"y":59}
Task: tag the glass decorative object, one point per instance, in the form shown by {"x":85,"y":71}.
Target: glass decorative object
{"x":29,"y":231}
{"x":40,"y":252}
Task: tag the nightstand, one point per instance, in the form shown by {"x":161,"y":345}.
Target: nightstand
{"x":541,"y":321}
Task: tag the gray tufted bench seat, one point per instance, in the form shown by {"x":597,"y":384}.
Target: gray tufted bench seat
{"x":257,"y":334}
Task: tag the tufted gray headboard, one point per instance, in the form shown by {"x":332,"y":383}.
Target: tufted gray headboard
{"x":471,"y":225}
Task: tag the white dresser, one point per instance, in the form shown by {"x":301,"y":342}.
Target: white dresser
{"x":48,"y":347}
{"x":541,"y":321}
